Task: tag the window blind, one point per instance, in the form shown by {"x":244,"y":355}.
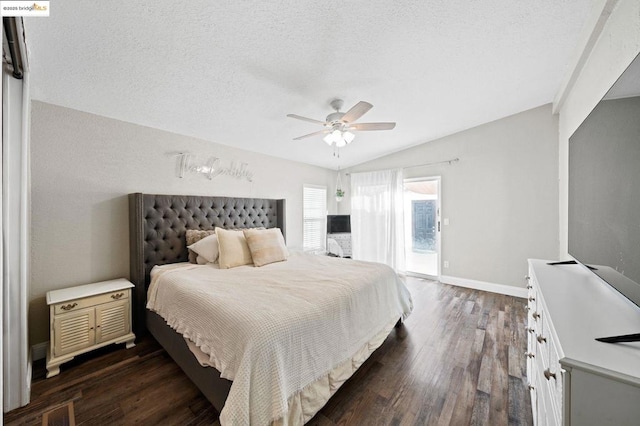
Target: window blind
{"x":314,"y":205}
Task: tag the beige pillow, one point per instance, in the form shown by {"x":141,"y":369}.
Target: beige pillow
{"x":206,"y":249}
{"x":193,"y":236}
{"x":266,"y":246}
{"x":233,"y":249}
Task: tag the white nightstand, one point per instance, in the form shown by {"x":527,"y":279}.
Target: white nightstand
{"x":88,"y":317}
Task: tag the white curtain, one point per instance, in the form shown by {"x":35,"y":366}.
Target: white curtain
{"x":16,"y":364}
{"x":377,"y":217}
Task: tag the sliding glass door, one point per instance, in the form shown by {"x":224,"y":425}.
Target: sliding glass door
{"x":422,"y":226}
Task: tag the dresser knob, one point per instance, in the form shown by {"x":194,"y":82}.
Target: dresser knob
{"x":69,"y":306}
{"x":548,"y":374}
{"x":530,"y":329}
{"x":535,"y":315}
{"x":541,"y":338}
{"x":117,"y":296}
{"x":529,"y":286}
{"x":527,"y":277}
{"x":531,"y":387}
{"x":529,"y":355}
{"x":531,"y":298}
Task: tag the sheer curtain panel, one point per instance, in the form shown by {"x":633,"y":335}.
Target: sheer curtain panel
{"x":377,"y":217}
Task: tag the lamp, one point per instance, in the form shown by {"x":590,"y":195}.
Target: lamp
{"x":339,"y":138}
{"x":348,"y":137}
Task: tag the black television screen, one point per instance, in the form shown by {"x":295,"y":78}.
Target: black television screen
{"x":338,"y":223}
{"x":604,"y":189}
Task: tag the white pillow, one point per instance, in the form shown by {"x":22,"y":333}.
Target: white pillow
{"x":207,"y":249}
{"x":234,"y":250}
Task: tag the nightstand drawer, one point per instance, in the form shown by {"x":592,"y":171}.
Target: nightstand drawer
{"x":74,"y":305}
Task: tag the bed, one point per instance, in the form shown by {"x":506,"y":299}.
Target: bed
{"x":288,"y":334}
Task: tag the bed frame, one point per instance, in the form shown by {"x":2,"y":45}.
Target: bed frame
{"x":157,"y":228}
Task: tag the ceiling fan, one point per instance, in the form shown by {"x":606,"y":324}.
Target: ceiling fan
{"x":340,"y":125}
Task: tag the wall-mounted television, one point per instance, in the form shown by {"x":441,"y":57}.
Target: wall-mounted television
{"x":339,"y":223}
{"x":604,"y":187}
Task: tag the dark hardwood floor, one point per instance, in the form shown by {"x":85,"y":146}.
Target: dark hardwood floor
{"x":458,"y":360}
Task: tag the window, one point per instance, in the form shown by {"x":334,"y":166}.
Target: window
{"x":314,"y":206}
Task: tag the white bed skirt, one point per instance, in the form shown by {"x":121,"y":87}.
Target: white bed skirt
{"x":306,"y":403}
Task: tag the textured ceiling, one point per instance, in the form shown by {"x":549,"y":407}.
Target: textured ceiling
{"x":230,"y":71}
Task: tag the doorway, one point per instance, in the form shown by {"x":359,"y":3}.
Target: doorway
{"x":422,"y":226}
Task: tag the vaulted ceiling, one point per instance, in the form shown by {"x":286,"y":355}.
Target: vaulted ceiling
{"x":230,"y":71}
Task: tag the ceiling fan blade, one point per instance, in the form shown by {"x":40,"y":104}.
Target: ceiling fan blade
{"x":310,"y":120}
{"x":357,"y":111}
{"x":372,"y":126}
{"x":320,"y":132}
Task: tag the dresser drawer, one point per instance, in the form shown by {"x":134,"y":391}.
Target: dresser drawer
{"x":74,"y":305}
{"x":556,"y":378}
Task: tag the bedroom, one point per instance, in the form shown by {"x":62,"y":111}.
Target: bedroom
{"x":86,"y":156}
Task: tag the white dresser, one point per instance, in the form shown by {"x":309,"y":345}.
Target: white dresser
{"x":574,"y":379}
{"x":88,"y":317}
{"x":344,"y":241}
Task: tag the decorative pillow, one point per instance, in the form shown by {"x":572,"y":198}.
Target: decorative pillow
{"x":233,"y":247}
{"x":206,"y":249}
{"x":193,"y":236}
{"x":266,"y":246}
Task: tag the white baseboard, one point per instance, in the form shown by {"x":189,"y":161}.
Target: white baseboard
{"x":39,"y":351}
{"x":485,"y":286}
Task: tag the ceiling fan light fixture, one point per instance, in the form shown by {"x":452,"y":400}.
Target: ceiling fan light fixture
{"x":334,"y":137}
{"x":348,"y":137}
{"x":328,"y":139}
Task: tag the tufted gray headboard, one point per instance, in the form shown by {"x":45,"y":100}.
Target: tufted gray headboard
{"x":158,"y":223}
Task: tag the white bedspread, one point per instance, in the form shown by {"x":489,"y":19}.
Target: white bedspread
{"x":276,"y":329}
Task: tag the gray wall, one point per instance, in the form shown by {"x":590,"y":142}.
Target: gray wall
{"x":84,"y":165}
{"x":501,"y":198}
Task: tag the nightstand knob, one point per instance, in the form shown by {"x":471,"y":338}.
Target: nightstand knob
{"x":535,"y":315}
{"x":541,"y":338}
{"x":69,"y":306}
{"x":529,"y":287}
{"x":117,"y":296}
{"x":548,"y":374}
{"x":531,"y":387}
{"x":531,"y":298}
{"x":529,"y":355}
{"x":530,"y":329}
